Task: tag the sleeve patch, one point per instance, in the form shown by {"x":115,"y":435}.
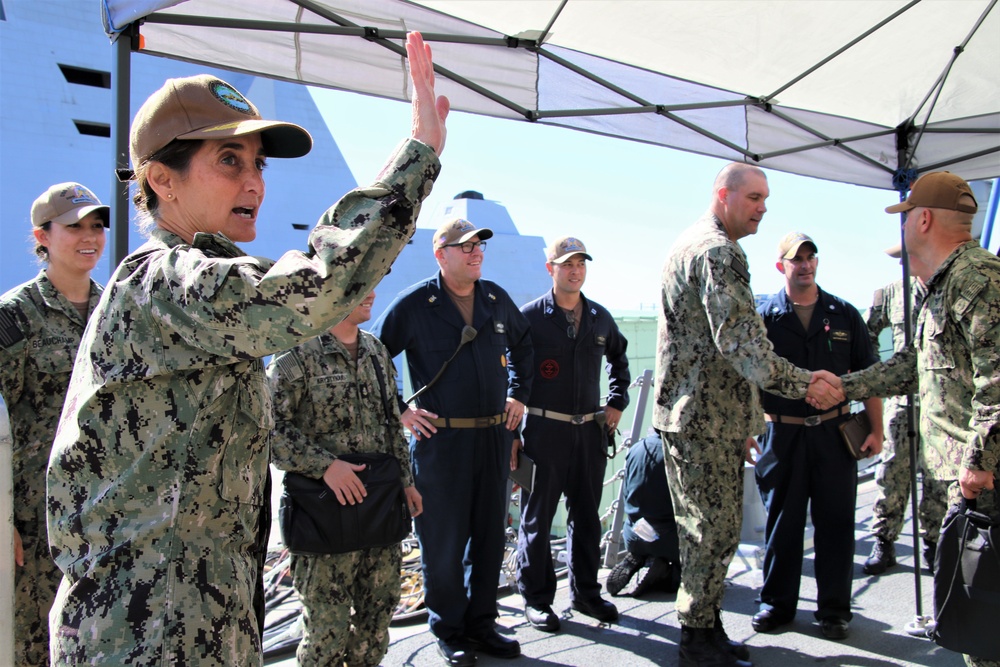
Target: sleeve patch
{"x":738,"y":267}
{"x":10,"y":333}
{"x":970,"y":291}
{"x":290,"y":368}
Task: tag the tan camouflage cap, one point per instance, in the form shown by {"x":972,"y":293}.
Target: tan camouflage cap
{"x":938,"y":189}
{"x":204,"y":107}
{"x":67,"y":203}
{"x":894,"y":251}
{"x":458,"y":230}
{"x":565,"y":247}
{"x":790,"y":244}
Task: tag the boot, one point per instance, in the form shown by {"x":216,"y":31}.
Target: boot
{"x":738,"y":649}
{"x":930,"y":551}
{"x":883,"y":557}
{"x":622,"y":574}
{"x":699,"y":648}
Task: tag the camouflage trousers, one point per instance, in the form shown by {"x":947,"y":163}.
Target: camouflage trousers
{"x":892,"y":479}
{"x":35,"y":587}
{"x":347,"y":603}
{"x":706,"y":486}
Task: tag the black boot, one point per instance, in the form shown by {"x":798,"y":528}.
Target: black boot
{"x":699,"y":648}
{"x":883,"y":557}
{"x":738,"y":649}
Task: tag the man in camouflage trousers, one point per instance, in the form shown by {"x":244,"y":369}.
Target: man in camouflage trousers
{"x":712,"y":350}
{"x":955,"y":355}
{"x":328,"y":400}
{"x":892,"y":478}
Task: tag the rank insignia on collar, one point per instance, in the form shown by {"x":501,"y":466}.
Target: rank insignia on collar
{"x":548,"y":310}
{"x":593,"y":311}
{"x":601,"y":340}
{"x":498,"y":327}
{"x":491,"y":296}
{"x":432,"y":298}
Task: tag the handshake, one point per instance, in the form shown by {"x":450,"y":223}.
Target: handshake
{"x":825,"y":390}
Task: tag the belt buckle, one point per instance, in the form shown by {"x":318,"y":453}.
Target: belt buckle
{"x":484,"y":422}
{"x":814,"y":420}
{"x":577,"y":419}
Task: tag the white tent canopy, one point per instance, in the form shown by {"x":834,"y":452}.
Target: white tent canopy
{"x":842,"y":90}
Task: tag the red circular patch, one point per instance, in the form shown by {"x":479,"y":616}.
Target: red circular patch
{"x":549,"y":369}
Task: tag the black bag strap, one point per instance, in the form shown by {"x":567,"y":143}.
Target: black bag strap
{"x":468,"y":334}
{"x":380,"y":374}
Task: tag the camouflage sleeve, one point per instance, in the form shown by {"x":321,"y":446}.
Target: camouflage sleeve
{"x":401,"y":448}
{"x":877,"y":320}
{"x":13,"y":350}
{"x":737,"y":328}
{"x":896,"y":376}
{"x":245,"y":307}
{"x":291,"y":449}
{"x":978,"y":312}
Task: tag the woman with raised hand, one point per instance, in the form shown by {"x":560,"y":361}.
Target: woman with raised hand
{"x":158,"y":480}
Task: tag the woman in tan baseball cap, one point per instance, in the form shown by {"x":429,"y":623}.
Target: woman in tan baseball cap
{"x":159,"y":493}
{"x":41,"y":323}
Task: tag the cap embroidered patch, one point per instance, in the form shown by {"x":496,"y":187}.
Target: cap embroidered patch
{"x":231,"y":97}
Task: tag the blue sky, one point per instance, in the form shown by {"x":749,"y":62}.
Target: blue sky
{"x":626,"y":201}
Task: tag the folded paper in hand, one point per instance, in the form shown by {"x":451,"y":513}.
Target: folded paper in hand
{"x":855,"y":431}
{"x":524,"y":474}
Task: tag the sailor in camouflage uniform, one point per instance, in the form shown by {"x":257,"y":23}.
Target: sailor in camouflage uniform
{"x":712,"y":350}
{"x":955,"y":356}
{"x":892,"y":478}
{"x":41,"y":323}
{"x":328,"y":400}
{"x":157,"y":483}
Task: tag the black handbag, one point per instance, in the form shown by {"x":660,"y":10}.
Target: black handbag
{"x":967,"y":583}
{"x":313,"y":521}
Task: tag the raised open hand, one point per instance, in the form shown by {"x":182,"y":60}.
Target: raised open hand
{"x":429,"y":112}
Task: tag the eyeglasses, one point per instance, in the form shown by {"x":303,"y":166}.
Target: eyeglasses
{"x":571,"y":329}
{"x":468,"y":246}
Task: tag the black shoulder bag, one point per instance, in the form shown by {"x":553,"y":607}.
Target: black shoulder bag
{"x":313,"y":521}
{"x":967,"y":583}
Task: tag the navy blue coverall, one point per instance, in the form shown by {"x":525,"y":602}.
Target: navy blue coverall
{"x":800,"y":464}
{"x":569,"y":458}
{"x":461,"y":472}
{"x":647,"y":496}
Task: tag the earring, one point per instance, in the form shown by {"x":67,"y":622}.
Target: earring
{"x":170,"y":196}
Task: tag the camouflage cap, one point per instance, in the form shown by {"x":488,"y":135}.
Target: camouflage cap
{"x":67,"y":203}
{"x":204,"y":107}
{"x":894,"y":251}
{"x":790,"y":244}
{"x":565,"y":247}
{"x":938,"y":189}
{"x":458,"y":230}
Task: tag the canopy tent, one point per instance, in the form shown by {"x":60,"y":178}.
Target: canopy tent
{"x":841,"y":90}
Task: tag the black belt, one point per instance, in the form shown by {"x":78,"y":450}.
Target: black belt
{"x":814,"y":420}
{"x":466,"y":422}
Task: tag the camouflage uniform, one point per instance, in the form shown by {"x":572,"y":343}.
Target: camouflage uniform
{"x":712,"y":349}
{"x":954,"y":361}
{"x":40,"y":331}
{"x":157,"y":481}
{"x":326,"y":404}
{"x":893,"y":475}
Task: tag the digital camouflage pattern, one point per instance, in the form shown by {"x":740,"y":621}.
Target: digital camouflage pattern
{"x":326,"y":404}
{"x":892,"y":478}
{"x":157,"y":478}
{"x":328,"y":585}
{"x":40,"y":332}
{"x":955,"y":356}
{"x":712,"y":349}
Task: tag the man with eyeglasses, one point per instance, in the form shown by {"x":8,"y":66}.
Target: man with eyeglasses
{"x":566,"y":435}
{"x":804,"y":464}
{"x":469,"y":354}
